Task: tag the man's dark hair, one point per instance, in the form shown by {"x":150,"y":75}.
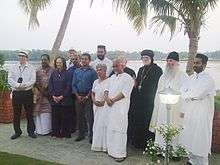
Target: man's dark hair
{"x":101,"y":46}
{"x":87,"y":55}
{"x":63,"y":61}
{"x":46,"y":55}
{"x":203,"y":57}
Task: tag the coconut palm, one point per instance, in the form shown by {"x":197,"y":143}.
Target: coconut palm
{"x":174,"y":14}
{"x":32,"y":7}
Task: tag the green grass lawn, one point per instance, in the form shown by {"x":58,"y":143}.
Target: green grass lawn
{"x":217,"y":103}
{"x":12,"y":159}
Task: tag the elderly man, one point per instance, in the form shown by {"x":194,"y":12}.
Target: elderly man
{"x":102,"y":59}
{"x":198,"y":110}
{"x":117,"y":97}
{"x":171,"y":78}
{"x":22,"y":78}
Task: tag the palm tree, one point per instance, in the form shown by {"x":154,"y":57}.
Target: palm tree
{"x":174,"y":14}
{"x":33,"y":6}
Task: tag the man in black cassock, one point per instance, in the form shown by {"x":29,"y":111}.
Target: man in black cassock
{"x":146,"y":87}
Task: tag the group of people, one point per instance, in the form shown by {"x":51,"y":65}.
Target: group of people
{"x":106,"y":100}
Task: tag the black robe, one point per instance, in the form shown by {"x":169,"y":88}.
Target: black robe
{"x":146,"y":87}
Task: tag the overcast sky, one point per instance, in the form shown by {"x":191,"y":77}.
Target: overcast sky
{"x":89,"y":27}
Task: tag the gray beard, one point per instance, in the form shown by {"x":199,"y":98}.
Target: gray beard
{"x":169,"y":73}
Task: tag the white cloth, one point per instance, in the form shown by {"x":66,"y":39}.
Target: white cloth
{"x":198,"y":160}
{"x":69,"y":64}
{"x":159,"y":116}
{"x":99,"y":140}
{"x":118,"y":114}
{"x":105,"y":61}
{"x":43,"y":123}
{"x":26,"y":72}
{"x":198,"y":108}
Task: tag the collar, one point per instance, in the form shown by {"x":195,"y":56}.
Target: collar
{"x":26,"y":65}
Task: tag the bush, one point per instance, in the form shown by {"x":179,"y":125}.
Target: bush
{"x":3,"y":75}
{"x":217,"y":103}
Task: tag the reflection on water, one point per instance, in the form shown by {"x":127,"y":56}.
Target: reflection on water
{"x":213,"y":67}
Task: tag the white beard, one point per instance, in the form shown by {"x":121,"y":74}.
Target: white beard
{"x":170,"y":74}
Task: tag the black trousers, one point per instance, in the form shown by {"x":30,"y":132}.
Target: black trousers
{"x":23,"y":99}
{"x":85,"y":117}
{"x":73,"y":115}
{"x":61,"y":120}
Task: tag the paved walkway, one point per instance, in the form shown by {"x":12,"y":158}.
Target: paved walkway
{"x":66,"y":151}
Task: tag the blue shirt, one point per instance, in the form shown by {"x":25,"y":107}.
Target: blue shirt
{"x":71,"y":71}
{"x":83,"y":79}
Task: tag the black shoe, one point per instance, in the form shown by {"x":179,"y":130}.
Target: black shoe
{"x":90,"y":141}
{"x":32,"y":135}
{"x":188,"y":163}
{"x":15,"y":136}
{"x":119,"y":159}
{"x":79,"y":138}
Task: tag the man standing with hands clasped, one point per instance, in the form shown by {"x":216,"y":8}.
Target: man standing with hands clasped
{"x":22,"y":78}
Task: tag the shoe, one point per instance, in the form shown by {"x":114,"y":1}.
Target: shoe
{"x":15,"y":136}
{"x":188,"y":163}
{"x":119,"y":159}
{"x":90,"y":141}
{"x":79,"y":138}
{"x":67,"y":136}
{"x":32,"y":135}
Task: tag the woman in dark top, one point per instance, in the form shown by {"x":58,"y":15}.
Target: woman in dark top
{"x":61,"y":103}
{"x":146,"y":87}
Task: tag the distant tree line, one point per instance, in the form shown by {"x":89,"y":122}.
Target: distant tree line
{"x":35,"y":54}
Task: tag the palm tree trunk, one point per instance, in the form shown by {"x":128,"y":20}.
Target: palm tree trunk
{"x":193,"y":48}
{"x":62,"y":30}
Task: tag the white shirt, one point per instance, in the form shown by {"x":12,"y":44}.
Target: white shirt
{"x":105,"y":61}
{"x":26,"y":72}
{"x":69,"y":64}
{"x":118,"y":112}
{"x":198,"y":108}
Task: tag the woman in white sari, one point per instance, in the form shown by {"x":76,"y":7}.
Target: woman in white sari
{"x":99,"y":142}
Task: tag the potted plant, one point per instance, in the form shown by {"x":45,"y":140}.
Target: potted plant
{"x":157,"y":153}
{"x":216,"y":126}
{"x":6,"y":114}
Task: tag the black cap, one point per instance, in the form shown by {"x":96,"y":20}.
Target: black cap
{"x":173,"y":56}
{"x":147,"y":52}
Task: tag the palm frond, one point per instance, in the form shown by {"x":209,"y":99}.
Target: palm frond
{"x":136,"y":11}
{"x":163,"y":21}
{"x":31,"y":7}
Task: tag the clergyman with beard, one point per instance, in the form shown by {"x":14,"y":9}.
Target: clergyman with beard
{"x":172,"y":78}
{"x":146,"y":86}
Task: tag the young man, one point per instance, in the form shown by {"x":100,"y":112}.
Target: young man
{"x":74,"y":60}
{"x":198,"y":110}
{"x":22,"y":78}
{"x":102,"y":59}
{"x":83,"y":79}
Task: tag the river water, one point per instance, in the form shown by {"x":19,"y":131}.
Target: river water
{"x":213,"y":67}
